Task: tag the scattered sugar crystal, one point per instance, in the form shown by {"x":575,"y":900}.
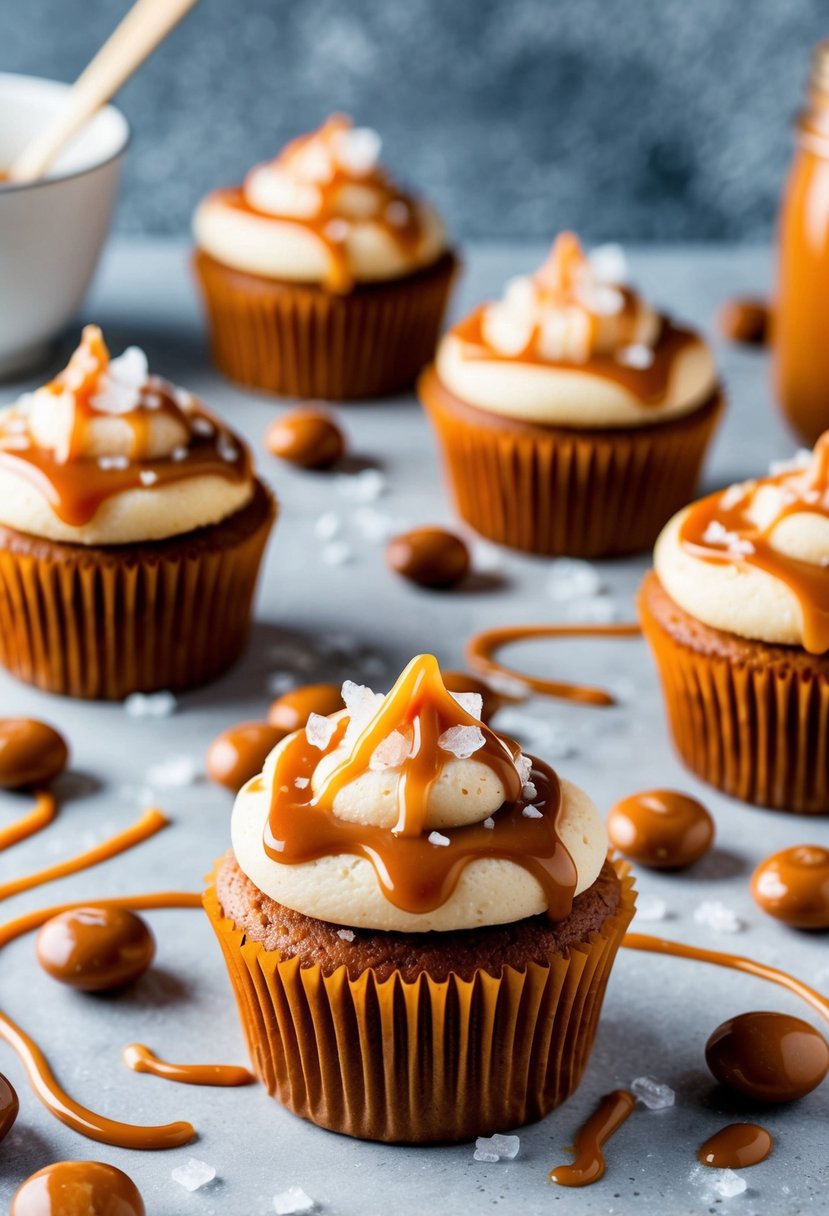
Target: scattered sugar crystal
{"x":113,"y":462}
{"x":652,"y":1093}
{"x":651,"y":907}
{"x":472,"y":702}
{"x":571,"y":579}
{"x":437,"y":838}
{"x":524,"y":766}
{"x":365,"y":486}
{"x":319,"y":731}
{"x":202,"y":426}
{"x":193,"y":1174}
{"x":462,"y":741}
{"x":150,"y":705}
{"x":362,"y":705}
{"x":336,"y":553}
{"x":293,"y":1202}
{"x":346,"y":934}
{"x":728,"y":1184}
{"x":121,"y":383}
{"x":637,"y":355}
{"x":152,"y":401}
{"x":532,"y":812}
{"x":734,"y":494}
{"x":376,"y":526}
{"x":608,"y":263}
{"x":497,"y":1148}
{"x":489,"y":822}
{"x":529,"y":791}
{"x":177,"y":770}
{"x":717,"y":534}
{"x":180,"y":453}
{"x":147,"y":477}
{"x":801,"y":460}
{"x":390,"y":752}
{"x":302,"y":783}
{"x":327,"y":525}
{"x":717,"y":916}
{"x":358,"y":150}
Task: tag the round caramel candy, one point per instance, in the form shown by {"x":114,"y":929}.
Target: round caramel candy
{"x":770,"y":1057}
{"x":78,"y":1188}
{"x":306,"y":437}
{"x":661,"y":829}
{"x":9,"y":1107}
{"x":430,"y":557}
{"x":95,"y":948}
{"x":747,"y":321}
{"x":459,"y":681}
{"x":31,"y":753}
{"x":793,"y":886}
{"x":239,"y":753}
{"x":292,"y":710}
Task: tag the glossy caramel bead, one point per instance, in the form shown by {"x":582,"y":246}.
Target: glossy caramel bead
{"x":78,"y":1188}
{"x":746,"y":321}
{"x":661,"y":829}
{"x":309,"y":438}
{"x":31,"y":753}
{"x":793,"y":886}
{"x":292,"y":710}
{"x":430,"y":557}
{"x":238,"y":754}
{"x":96,"y":948}
{"x":770,"y":1057}
{"x":9,"y":1106}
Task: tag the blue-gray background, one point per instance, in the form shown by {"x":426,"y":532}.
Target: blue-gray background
{"x":625,"y":119}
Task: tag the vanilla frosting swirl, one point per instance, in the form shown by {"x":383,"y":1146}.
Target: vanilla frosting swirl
{"x":107,"y":453}
{"x":753,"y":560}
{"x":323,"y":212}
{"x":573,"y":346}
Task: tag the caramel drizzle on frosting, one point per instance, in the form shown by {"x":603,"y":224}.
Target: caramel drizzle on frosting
{"x":140,"y":1059}
{"x":808,"y":581}
{"x":415,"y":874}
{"x":76,"y":485}
{"x":329,"y":226}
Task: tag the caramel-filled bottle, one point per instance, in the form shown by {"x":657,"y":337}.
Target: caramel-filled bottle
{"x":801,"y":324}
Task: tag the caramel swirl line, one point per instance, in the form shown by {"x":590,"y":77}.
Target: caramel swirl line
{"x":149,"y":824}
{"x":140,"y":1058}
{"x":589,"y":1166}
{"x":42,"y":814}
{"x":42,"y":1080}
{"x":481,"y":648}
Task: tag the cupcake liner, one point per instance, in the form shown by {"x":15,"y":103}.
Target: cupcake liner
{"x":300,"y":340}
{"x":750,"y":721}
{"x":106,"y":621}
{"x":559,"y":490}
{"x":422,"y":1061}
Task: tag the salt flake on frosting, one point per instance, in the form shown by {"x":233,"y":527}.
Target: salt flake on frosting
{"x":438,"y":839}
{"x":462,"y":741}
{"x":391,"y":752}
{"x":636,"y":355}
{"x":121,"y":383}
{"x":472,"y":702}
{"x":532,"y":812}
{"x":319,"y":731}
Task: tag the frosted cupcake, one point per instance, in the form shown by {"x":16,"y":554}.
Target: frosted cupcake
{"x":418,"y":921}
{"x":320,"y":276}
{"x":573,"y":418}
{"x":131,"y":532}
{"x":737,"y":614}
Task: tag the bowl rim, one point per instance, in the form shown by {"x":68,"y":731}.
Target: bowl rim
{"x":41,"y":183}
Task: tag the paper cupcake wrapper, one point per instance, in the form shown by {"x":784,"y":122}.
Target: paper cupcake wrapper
{"x":758,"y":731}
{"x":558,"y":490}
{"x":302,"y":341}
{"x":422,"y":1061}
{"x":102,"y":622}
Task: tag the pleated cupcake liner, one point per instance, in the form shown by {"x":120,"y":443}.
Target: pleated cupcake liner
{"x":420,"y":1061}
{"x":757,"y":730}
{"x":104,"y":622}
{"x":562,"y":491}
{"x":299,"y":340}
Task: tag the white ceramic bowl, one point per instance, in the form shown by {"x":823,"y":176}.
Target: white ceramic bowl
{"x":51,"y":231}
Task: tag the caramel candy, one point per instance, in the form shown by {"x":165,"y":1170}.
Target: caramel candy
{"x":78,"y":1188}
{"x":661,"y":829}
{"x":291,"y":711}
{"x":96,"y":948}
{"x":307,"y":437}
{"x":793,"y":886}
{"x":770,"y":1057}
{"x":430,"y":557}
{"x":459,"y":681}
{"x":238,"y":754}
{"x":746,"y":321}
{"x":9,"y":1106}
{"x":736,"y":1147}
{"x":31,"y":753}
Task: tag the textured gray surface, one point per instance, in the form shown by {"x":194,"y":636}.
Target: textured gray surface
{"x":648,"y":119}
{"x":658,"y":1012}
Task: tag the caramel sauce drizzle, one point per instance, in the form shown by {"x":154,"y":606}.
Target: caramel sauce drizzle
{"x":807,"y":581}
{"x":589,"y":1166}
{"x":481,"y":649}
{"x":140,"y":1059}
{"x":42,"y":1080}
{"x":149,"y":824}
{"x":42,"y":814}
{"x":415,"y":874}
{"x":329,"y":226}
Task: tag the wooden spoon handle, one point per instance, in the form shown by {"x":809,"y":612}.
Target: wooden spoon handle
{"x":145,"y":26}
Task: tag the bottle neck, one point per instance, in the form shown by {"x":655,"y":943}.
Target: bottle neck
{"x":813,"y":122}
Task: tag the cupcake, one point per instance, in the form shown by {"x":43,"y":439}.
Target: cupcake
{"x":736,"y":612}
{"x":131,"y":532}
{"x":322,"y":278}
{"x":418,"y":921}
{"x":572,"y":417}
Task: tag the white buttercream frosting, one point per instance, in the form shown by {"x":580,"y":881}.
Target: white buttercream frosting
{"x":544,"y":351}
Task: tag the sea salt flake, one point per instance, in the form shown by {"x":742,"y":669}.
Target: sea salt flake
{"x":365,"y":486}
{"x":152,"y":401}
{"x":462,"y":741}
{"x":122,"y":381}
{"x":472,"y":702}
{"x":337,"y":553}
{"x":346,"y":934}
{"x":391,"y":752}
{"x":180,"y":453}
{"x":717,"y":916}
{"x":571,"y":579}
{"x":524,"y":765}
{"x":302,"y":783}
{"x":293,"y":1202}
{"x":438,"y":839}
{"x":202,"y":426}
{"x":176,"y":771}
{"x":489,"y":822}
{"x":327,"y":525}
{"x":529,"y":791}
{"x":497,"y":1148}
{"x":147,"y":477}
{"x":734,"y":494}
{"x":227,"y":449}
{"x":728,"y":1184}
{"x":652,"y":1093}
{"x":532,"y":812}
{"x":482,"y":1154}
{"x":637,"y":355}
{"x":150,"y":705}
{"x":185,"y":400}
{"x":651,"y":907}
{"x":319,"y":731}
{"x":113,"y":462}
{"x":376,"y":526}
{"x":194,"y":1174}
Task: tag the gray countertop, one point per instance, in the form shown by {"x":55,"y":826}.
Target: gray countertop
{"x":322,"y":620}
